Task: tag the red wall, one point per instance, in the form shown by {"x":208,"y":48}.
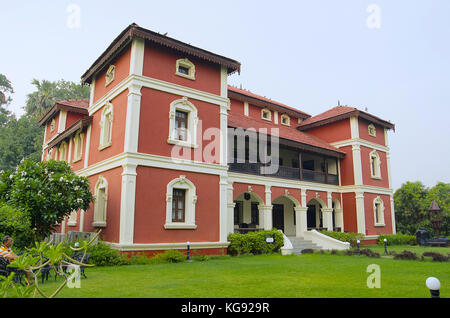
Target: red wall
{"x":365,"y":162}
{"x":370,"y":216}
{"x":364,"y":132}
{"x":239,"y":188}
{"x":349,"y":202}
{"x":50,"y":134}
{"x":346,"y":167}
{"x":122,"y":64}
{"x":154,"y":125}
{"x":150,"y":208}
{"x":160,"y":63}
{"x":311,"y":194}
{"x":337,"y":131}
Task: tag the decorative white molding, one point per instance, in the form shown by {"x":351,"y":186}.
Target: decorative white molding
{"x":246,"y":108}
{"x":167,"y":246}
{"x":185,"y":63}
{"x":381,"y":214}
{"x":186,"y":106}
{"x":354,"y":129}
{"x":137,"y":56}
{"x":132,"y":119}
{"x":360,"y":213}
{"x":223,"y":82}
{"x":190,"y":202}
{"x":360,"y":142}
{"x":110,"y":75}
{"x":101,"y":204}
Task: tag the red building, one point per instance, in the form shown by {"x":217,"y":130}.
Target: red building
{"x":175,"y":154}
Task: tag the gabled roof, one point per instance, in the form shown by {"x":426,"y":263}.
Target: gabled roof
{"x":79,"y":125}
{"x":79,"y":106}
{"x":133,"y":30}
{"x":339,"y":113}
{"x":258,"y":100}
{"x":301,"y":139}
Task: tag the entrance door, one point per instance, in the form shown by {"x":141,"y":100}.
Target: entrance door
{"x":278,"y":216}
{"x":311,"y":216}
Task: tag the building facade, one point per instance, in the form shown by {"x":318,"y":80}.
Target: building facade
{"x":174,"y":154}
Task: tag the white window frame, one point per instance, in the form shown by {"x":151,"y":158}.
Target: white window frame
{"x":52,"y":125}
{"x":106,"y":122}
{"x":63,"y":151}
{"x":380,"y":212}
{"x":110,"y":74}
{"x":100,"y":220}
{"x":72,"y":221}
{"x":192,"y":122}
{"x":374,"y":156}
{"x":284,"y":116}
{"x":186,"y":64}
{"x":190,"y":202}
{"x":372,"y":130}
{"x":78,"y":146}
{"x":265,"y":110}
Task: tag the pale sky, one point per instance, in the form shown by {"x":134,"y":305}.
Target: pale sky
{"x":392,"y":57}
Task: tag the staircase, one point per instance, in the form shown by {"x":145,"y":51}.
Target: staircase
{"x":300,"y":244}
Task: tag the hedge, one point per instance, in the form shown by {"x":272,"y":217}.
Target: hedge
{"x":254,"y":243}
{"x":345,"y":237}
{"x":397,"y":239}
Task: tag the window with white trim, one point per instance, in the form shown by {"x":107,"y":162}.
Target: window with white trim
{"x":378,"y":210}
{"x":181,"y":199}
{"x":375,"y":165}
{"x":183,"y":121}
{"x":106,"y":123}
{"x":101,"y":202}
{"x":72,"y":219}
{"x":372,"y":130}
{"x":285,"y":120}
{"x":78,"y":146}
{"x":266,"y":114}
{"x":110,"y":73}
{"x":52,"y":125}
{"x":63,"y":151}
{"x":185,"y":68}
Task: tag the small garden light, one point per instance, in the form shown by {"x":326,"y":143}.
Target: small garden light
{"x":188,"y":251}
{"x":385,"y":246}
{"x":357,"y":242}
{"x":433,"y":285}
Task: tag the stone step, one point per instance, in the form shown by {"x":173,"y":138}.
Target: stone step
{"x":300,"y":244}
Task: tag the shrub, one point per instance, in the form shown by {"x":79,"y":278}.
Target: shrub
{"x":307,"y":251}
{"x":369,"y":253}
{"x":397,"y":239}
{"x":102,"y":254}
{"x":437,"y":257}
{"x":201,"y":258}
{"x":139,"y":259}
{"x":169,"y":256}
{"x":15,"y":223}
{"x":344,"y":236}
{"x":406,"y":255}
{"x":254,"y":242}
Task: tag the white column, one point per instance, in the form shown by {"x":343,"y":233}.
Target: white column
{"x":327,"y":217}
{"x":266,"y":211}
{"x":223,"y":209}
{"x":301,"y":221}
{"x":81,"y":220}
{"x":88,"y":144}
{"x":230,"y":208}
{"x":360,"y":215}
{"x":223,"y":135}
{"x":339,"y":218}
{"x":394,"y":230}
{"x":357,"y":169}
{"x":132,"y":120}
{"x":127,"y":203}
{"x":137,"y":56}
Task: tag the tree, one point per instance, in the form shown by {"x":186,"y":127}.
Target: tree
{"x":46,"y":191}
{"x":412,"y":202}
{"x":5,"y":90}
{"x":47,"y":93}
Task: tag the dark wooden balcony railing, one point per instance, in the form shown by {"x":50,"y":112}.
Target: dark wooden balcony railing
{"x":286,"y":173}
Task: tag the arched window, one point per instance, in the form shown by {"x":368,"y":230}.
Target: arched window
{"x":106,"y":123}
{"x":266,"y":114}
{"x":101,"y":202}
{"x":181,"y":199}
{"x":378,"y":210}
{"x":183,"y":120}
{"x":63,"y":151}
{"x":375,"y":165}
{"x":78,"y":146}
{"x":185,"y":68}
{"x":285,"y":120}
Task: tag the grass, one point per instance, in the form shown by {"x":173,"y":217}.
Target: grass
{"x":263,"y":276}
{"x":419,"y":250}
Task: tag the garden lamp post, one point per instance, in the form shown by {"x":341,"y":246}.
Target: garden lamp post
{"x":385,"y":246}
{"x":435,"y":217}
{"x":357,"y":242}
{"x":433,"y":285}
{"x":188,"y":251}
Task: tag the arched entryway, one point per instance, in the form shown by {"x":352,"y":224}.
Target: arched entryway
{"x":247,"y":215}
{"x":283,"y":214}
{"x":314,"y":216}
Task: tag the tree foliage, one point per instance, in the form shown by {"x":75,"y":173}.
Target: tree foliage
{"x":412,"y":202}
{"x":46,"y":191}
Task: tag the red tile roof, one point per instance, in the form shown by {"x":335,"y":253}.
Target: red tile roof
{"x":338,"y":113}
{"x":78,"y":103}
{"x":270,"y":102}
{"x":72,"y":105}
{"x":285,"y":132}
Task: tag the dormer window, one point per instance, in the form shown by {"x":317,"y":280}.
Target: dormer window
{"x":110,"y":75}
{"x":372,"y":130}
{"x":285,"y":120}
{"x":185,"y":68}
{"x":266,"y":114}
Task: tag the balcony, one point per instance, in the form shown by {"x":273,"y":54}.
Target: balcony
{"x":286,"y":173}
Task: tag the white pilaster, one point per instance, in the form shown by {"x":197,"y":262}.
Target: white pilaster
{"x":230,"y":208}
{"x":88,"y":144}
{"x":301,"y":221}
{"x":327,"y":218}
{"x":81,"y":220}
{"x":224,"y":82}
{"x":62,"y":121}
{"x":246,"y":108}
{"x":137,"y":56}
{"x":132,"y":120}
{"x":357,"y":169}
{"x":127,"y":203}
{"x":223,"y":209}
{"x":360,"y":214}
{"x":394,"y":230}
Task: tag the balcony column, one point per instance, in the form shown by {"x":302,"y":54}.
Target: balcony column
{"x":265,"y":213}
{"x":301,"y":221}
{"x":327,"y":217}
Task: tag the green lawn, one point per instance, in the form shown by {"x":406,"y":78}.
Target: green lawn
{"x":299,"y":276}
{"x":416,"y":249}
